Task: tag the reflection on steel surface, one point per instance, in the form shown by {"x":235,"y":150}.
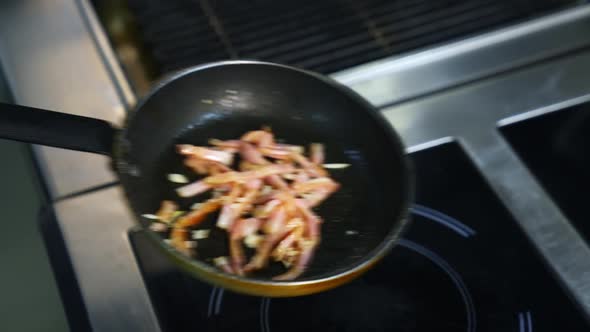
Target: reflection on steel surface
{"x":90,"y":83}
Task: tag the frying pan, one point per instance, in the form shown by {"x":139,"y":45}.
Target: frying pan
{"x":223,"y":100}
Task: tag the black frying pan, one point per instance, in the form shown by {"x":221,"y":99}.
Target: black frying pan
{"x":224,"y":100}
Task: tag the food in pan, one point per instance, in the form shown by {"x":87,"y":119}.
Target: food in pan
{"x":263,"y":193}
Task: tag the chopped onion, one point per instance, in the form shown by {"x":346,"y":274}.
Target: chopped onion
{"x":196,"y":206}
{"x":200,"y":234}
{"x":177,"y":178}
{"x":253,"y":240}
{"x":150,"y":216}
{"x":266,"y":190}
{"x":175,"y":215}
{"x":220,"y":261}
{"x":158,"y":227}
{"x":289,"y":257}
{"x":336,"y":166}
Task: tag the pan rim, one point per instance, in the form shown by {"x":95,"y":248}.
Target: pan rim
{"x":203,"y":270}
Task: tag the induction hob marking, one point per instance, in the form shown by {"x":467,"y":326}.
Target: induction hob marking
{"x":215,"y":299}
{"x":454,"y":275}
{"x":430,"y":255}
{"x":218,"y":302}
{"x":525,"y":322}
{"x":264,"y":324}
{"x":443,"y":219}
{"x":529,"y":320}
{"x":211,"y":301}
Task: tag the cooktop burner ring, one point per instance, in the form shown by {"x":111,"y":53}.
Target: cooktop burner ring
{"x":525,"y":322}
{"x":443,"y":219}
{"x":215,"y":300}
{"x":217,"y":294}
{"x":432,"y":257}
{"x":524,"y":319}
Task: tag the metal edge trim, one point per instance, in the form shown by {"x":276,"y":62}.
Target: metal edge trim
{"x":106,"y":52}
{"x":384,"y":67}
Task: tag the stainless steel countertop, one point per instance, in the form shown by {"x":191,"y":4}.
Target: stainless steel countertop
{"x":49,"y":51}
{"x":55,"y":55}
{"x":398,"y":79}
{"x":543,"y":67}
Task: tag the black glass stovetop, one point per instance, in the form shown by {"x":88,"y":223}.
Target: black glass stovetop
{"x":556,"y":148}
{"x":463,"y":265}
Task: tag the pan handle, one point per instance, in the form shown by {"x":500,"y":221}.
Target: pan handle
{"x":61,"y":130}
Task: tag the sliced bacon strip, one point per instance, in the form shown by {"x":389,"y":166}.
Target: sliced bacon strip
{"x":307,"y":250}
{"x":180,"y":231}
{"x":192,"y":189}
{"x":199,"y":152}
{"x":241,"y":229}
{"x":261,"y":138}
{"x":248,"y":175}
{"x":269,"y":197}
{"x":166,"y":211}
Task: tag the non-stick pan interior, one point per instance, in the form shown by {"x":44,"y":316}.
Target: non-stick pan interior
{"x":224,"y":101}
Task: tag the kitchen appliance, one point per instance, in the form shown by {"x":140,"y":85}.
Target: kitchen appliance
{"x":223,"y":100}
{"x":495,"y":245}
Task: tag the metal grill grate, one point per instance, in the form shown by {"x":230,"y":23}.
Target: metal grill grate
{"x":325,"y":36}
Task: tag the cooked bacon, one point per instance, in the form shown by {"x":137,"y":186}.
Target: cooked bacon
{"x":248,"y":175}
{"x":263,"y":211}
{"x":283,"y":248}
{"x":227,"y":216}
{"x":316,"y":190}
{"x":197,"y":216}
{"x":293,"y":148}
{"x":253,"y":156}
{"x":313,"y":169}
{"x":222,"y":263}
{"x":314,"y":199}
{"x":229,"y":146}
{"x":305,"y":256}
{"x":262,"y":255}
{"x":241,"y":229}
{"x":322,"y":183}
{"x":261,"y":138}
{"x":248,"y":166}
{"x":180,"y":232}
{"x":236,"y":205}
{"x":268,"y":197}
{"x":199,"y":152}
{"x":275,"y":221}
{"x":166,"y":211}
{"x":316,"y":153}
{"x":300,"y":178}
{"x":311,"y":219}
{"x":250,"y":154}
{"x":277,"y":182}
{"x":201,"y":166}
{"x":192,"y":189}
{"x":197,"y":165}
